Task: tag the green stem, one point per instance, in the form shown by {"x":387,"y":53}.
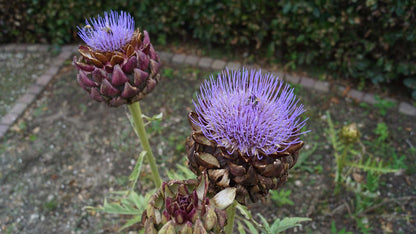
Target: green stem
{"x":230,"y":218}
{"x":141,"y":131}
{"x":340,"y":166}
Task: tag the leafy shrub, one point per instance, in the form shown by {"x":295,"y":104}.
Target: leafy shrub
{"x":364,"y":40}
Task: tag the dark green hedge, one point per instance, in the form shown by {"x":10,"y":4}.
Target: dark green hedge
{"x":367,"y":40}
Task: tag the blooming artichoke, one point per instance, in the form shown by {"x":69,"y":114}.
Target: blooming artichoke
{"x":183,"y":207}
{"x":245,"y":133}
{"x":119,"y":64}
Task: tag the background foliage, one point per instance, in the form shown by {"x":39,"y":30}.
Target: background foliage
{"x":365,"y":40}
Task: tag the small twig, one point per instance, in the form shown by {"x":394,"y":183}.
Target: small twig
{"x":348,"y":208}
{"x":336,"y":210}
{"x":339,"y":209}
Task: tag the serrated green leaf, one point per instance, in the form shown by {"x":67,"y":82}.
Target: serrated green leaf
{"x":251,"y":227}
{"x":115,"y":208}
{"x":286,"y":223}
{"x":156,"y":117}
{"x":131,"y":222}
{"x":140,"y":201}
{"x":181,"y":173}
{"x":240,"y":228}
{"x":244,"y":211}
{"x":303,"y":156}
{"x":266,"y":224}
{"x":188,"y":173}
{"x":133,"y":125}
{"x":134,"y":176}
{"x":132,"y":204}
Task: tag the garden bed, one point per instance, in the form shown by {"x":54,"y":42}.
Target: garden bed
{"x":68,"y":152}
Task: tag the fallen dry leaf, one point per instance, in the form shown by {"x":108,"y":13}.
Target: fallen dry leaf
{"x":357,"y":177}
{"x":347,"y":89}
{"x":334,"y":100}
{"x":387,"y":227}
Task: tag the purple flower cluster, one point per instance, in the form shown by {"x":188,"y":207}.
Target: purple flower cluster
{"x":108,"y":33}
{"x":249,"y":112}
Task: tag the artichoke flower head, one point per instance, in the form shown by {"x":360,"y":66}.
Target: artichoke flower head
{"x":246,"y":131}
{"x":119,"y":64}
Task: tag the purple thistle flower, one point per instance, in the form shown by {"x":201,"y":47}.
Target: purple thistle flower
{"x":249,"y":112}
{"x":108,"y":33}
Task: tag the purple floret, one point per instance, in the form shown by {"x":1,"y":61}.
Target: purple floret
{"x":109,"y":33}
{"x":248,"y":112}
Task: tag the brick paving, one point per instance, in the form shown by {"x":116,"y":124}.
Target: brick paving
{"x":178,"y":59}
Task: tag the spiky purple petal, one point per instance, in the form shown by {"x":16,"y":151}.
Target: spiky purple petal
{"x":249,"y":112}
{"x":108,"y":33}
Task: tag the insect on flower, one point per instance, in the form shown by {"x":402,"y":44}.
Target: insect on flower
{"x":253,"y":99}
{"x":107,"y":29}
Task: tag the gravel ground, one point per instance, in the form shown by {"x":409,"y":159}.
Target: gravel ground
{"x":19,"y":70}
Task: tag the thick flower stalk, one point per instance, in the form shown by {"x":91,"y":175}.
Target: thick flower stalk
{"x":119,"y":64}
{"x":245,"y":132}
{"x":183,"y":207}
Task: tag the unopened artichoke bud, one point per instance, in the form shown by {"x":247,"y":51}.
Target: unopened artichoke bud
{"x":119,"y":64}
{"x":349,"y":134}
{"x":245,"y":133}
{"x":184,"y":207}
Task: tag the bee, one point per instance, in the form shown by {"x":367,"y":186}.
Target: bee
{"x":107,"y":29}
{"x":89,"y":27}
{"x":253,"y":99}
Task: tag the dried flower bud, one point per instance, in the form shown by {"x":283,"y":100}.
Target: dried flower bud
{"x":349,"y":134}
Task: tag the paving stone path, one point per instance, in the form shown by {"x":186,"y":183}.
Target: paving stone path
{"x":42,"y":81}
